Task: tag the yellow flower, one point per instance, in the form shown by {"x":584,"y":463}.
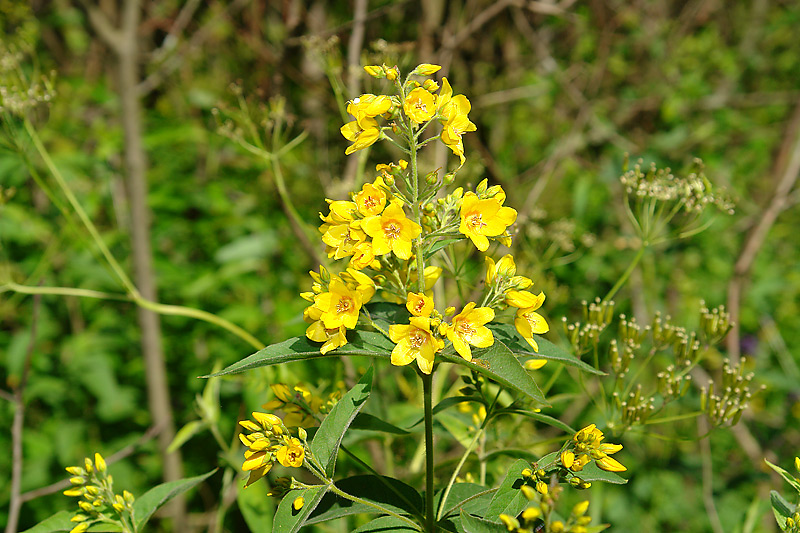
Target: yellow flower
{"x":420,"y":105}
{"x":521,"y":299}
{"x":419,"y":305}
{"x":567,"y":458}
{"x":588,"y":441}
{"x":528,"y":322}
{"x":391,"y":231}
{"x":361,"y":133}
{"x":340,"y":305}
{"x":468,"y":327}
{"x":342,"y":239}
{"x":372,"y":199}
{"x":292,"y":453}
{"x":331,"y":338}
{"x":363,"y":256}
{"x":484,"y":218}
{"x":415,"y":341}
{"x":452,"y":132}
{"x":369,"y":105}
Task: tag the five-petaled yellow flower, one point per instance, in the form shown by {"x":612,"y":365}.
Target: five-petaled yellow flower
{"x":589,"y":444}
{"x":415,"y":341}
{"x":419,"y":304}
{"x":469,"y":327}
{"x":391,"y":231}
{"x":372,"y":199}
{"x":484,"y":218}
{"x":528,"y":321}
{"x":453,"y":111}
{"x":340,"y":305}
{"x":291,"y":454}
{"x":420,"y":105}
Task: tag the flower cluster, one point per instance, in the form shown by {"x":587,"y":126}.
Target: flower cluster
{"x":587,"y":445}
{"x":301,"y":406}
{"x":540,"y":516}
{"x":269,"y":441}
{"x":391,"y":229}
{"x":94,"y":486}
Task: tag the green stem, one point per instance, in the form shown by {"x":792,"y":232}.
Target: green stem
{"x":460,"y":464}
{"x":164,"y":309}
{"x":427,"y":380}
{"x":73,"y":201}
{"x":336,"y":490}
{"x":625,"y":275}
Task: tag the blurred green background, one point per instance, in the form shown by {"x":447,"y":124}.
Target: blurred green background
{"x":560,"y":91}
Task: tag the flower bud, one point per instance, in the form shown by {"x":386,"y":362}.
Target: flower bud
{"x":100,"y":462}
{"x":375,"y":71}
{"x":128,"y":497}
{"x":430,"y":86}
{"x":298,"y":503}
{"x":80,"y":528}
{"x":449,"y":178}
{"x":302,"y":433}
{"x":580,"y":508}
{"x":482,"y":186}
{"x":528,"y":492}
{"x":541,"y":488}
{"x":531,"y":513}
{"x":389,"y":180}
{"x":426,"y":69}
{"x":77,"y":480}
{"x":392,"y":73}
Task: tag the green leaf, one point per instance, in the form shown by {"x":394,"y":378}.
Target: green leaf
{"x":473,"y":524}
{"x":256,"y":507}
{"x":592,"y":472}
{"x":498,"y":363}
{"x":366,"y":421}
{"x":508,"y":334}
{"x":790,"y":479}
{"x":185,"y":433}
{"x":780,"y":508}
{"x":330,"y":433}
{"x":509,"y":499}
{"x":363,"y":343}
{"x":469,"y":497}
{"x":389,"y":493}
{"x":61,"y":522}
{"x":386,"y":524}
{"x":150,"y":501}
{"x":289,"y":520}
{"x":442,"y":243}
{"x":384,"y":314}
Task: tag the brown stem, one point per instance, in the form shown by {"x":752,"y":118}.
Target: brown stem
{"x":19,"y":424}
{"x":124,"y":42}
{"x":787,"y":167}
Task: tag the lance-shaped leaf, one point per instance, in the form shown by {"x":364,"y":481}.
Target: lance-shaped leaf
{"x":368,"y":422}
{"x":498,"y":363}
{"x":789,"y":478}
{"x":150,"y":501}
{"x":290,"y":520}
{"x":509,"y":499}
{"x":387,"y":524}
{"x":389,"y":493}
{"x":508,"y":334}
{"x":330,"y":433}
{"x":363,"y":343}
{"x":470,"y":497}
{"x":781,"y":508}
{"x":473,"y":524}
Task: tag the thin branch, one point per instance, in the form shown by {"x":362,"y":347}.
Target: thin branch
{"x":104,"y":28}
{"x":19,"y":424}
{"x":788,"y":168}
{"x":354,"y":47}
{"x":158,"y":76}
{"x":118,"y":456}
{"x":179,"y":24}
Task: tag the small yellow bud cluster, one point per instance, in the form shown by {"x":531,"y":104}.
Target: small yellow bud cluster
{"x":268,"y":441}
{"x":585,"y":335}
{"x":793,"y":523}
{"x":587,"y":445}
{"x":633,"y":409}
{"x":539,"y":516}
{"x":724,"y":404}
{"x":300,"y":405}
{"x":94,"y":485}
{"x":715,"y":323}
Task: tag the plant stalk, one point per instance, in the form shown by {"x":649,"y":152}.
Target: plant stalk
{"x":430,"y":513}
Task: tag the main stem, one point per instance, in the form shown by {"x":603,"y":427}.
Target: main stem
{"x":430,"y":513}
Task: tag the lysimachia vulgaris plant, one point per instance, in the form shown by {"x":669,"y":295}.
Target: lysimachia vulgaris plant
{"x":393,"y":243}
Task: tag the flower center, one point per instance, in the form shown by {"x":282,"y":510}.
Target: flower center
{"x":465,"y":330}
{"x":417,"y":340}
{"x":419,"y":306}
{"x":475,"y":221}
{"x":344,"y":305}
{"x":370,"y":202}
{"x":391,"y":231}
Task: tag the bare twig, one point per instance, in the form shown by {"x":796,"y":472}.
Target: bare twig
{"x":354,"y":46}
{"x":179,"y":24}
{"x":170,"y":65}
{"x":787,"y":167}
{"x":111,"y":459}
{"x":19,"y":423}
